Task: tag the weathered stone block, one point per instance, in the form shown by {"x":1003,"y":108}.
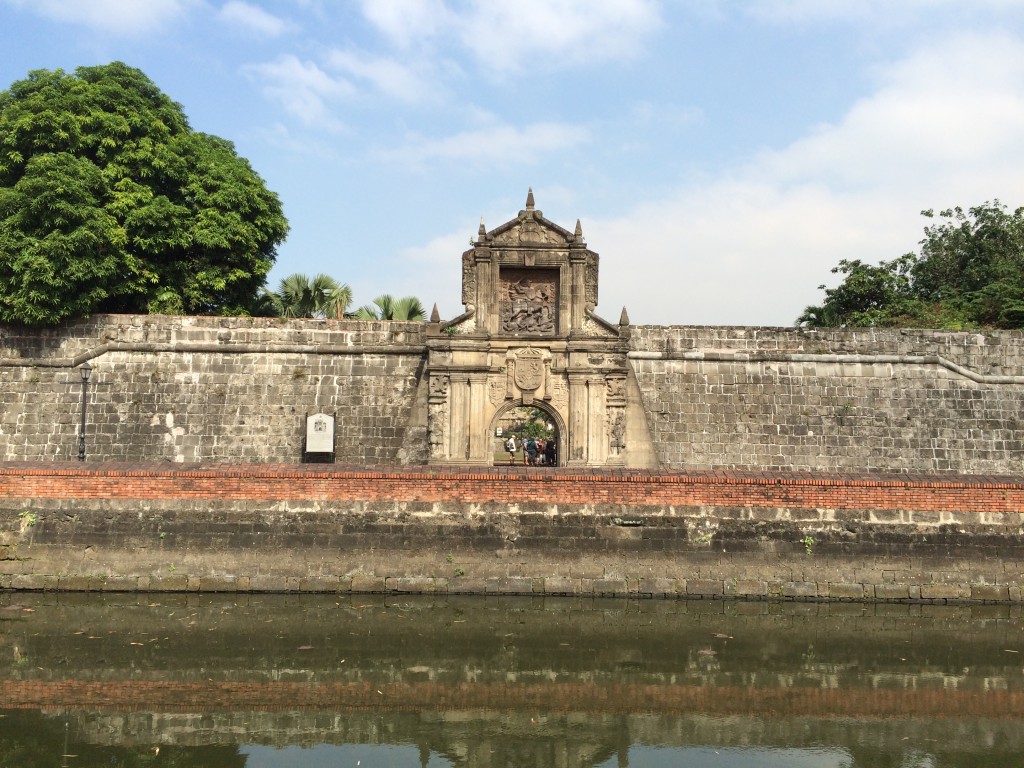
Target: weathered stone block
{"x":852,"y":591}
{"x":989,"y":592}
{"x":34,"y":582}
{"x":658,"y":587}
{"x":369,"y":584}
{"x":891,"y":592}
{"x":510,"y":585}
{"x":705,"y":587}
{"x":800,"y":589}
{"x":746,"y":587}
{"x":940,"y":591}
{"x":415,"y":584}
{"x":610,"y":587}
{"x":561,"y":586}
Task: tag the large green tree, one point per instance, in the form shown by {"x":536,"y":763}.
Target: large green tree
{"x":109,"y":201}
{"x":969,"y":274}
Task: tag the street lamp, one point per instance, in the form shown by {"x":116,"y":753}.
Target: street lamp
{"x":86,"y":371}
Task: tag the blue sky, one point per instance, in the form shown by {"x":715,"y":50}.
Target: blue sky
{"x":721,"y":155}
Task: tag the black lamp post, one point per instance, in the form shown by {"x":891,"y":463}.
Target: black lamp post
{"x":86,"y":371}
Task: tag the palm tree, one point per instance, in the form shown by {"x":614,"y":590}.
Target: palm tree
{"x":298,"y":295}
{"x":386,"y":307}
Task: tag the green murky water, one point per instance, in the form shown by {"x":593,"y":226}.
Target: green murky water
{"x":273,"y":681}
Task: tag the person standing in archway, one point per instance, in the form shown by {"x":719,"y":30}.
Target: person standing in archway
{"x":510,"y":446}
{"x":549,"y":452}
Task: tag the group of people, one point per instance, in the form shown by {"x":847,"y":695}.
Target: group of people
{"x":536,"y":452}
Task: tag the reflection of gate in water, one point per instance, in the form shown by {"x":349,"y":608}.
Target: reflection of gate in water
{"x":536,"y":420}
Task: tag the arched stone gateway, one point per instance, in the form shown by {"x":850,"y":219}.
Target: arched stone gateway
{"x":510,"y":414}
{"x":530,"y":336}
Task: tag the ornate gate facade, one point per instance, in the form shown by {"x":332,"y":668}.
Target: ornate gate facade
{"x":529,"y":334}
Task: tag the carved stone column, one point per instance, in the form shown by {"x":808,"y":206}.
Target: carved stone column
{"x":578,"y":418}
{"x":460,"y":418}
{"x":479,"y":439}
{"x":438,"y":417}
{"x":615,"y":399}
{"x":597,"y":445}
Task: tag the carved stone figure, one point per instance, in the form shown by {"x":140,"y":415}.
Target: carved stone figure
{"x":438,"y":386}
{"x":528,"y":301}
{"x":616,"y":388}
{"x":617,"y":432}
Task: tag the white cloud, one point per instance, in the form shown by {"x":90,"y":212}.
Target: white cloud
{"x":119,"y":17}
{"x":405,"y":22}
{"x":433,"y":272}
{"x":751,"y":247}
{"x":386,"y":75}
{"x":302,"y":88}
{"x":509,"y":37}
{"x":497,"y":145}
{"x":876,"y":12}
{"x":252,"y":19}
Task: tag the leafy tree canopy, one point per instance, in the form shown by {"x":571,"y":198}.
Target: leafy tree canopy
{"x":110,"y":202}
{"x":298,"y":295}
{"x":969,"y":274}
{"x":386,"y":307}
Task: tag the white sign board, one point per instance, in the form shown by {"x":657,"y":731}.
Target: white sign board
{"x":319,"y":433}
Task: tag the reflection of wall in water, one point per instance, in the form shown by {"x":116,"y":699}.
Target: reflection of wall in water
{"x":482,"y":738}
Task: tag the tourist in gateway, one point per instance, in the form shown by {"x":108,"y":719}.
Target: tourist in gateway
{"x":510,"y":446}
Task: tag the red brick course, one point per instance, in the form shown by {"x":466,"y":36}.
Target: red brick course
{"x":938,"y":493}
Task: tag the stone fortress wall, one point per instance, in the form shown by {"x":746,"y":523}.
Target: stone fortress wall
{"x":206,"y":389}
{"x":237,"y":390}
{"x":832,"y":400}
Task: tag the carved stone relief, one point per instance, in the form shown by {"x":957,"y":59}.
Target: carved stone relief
{"x":590,"y":282}
{"x":437,"y":428}
{"x":529,"y":300}
{"x":616,"y":389}
{"x":468,"y":279}
{"x":616,"y":431}
{"x":438,"y":386}
{"x":496,"y":391}
{"x":529,"y":373}
{"x":529,"y":231}
{"x":559,"y":392}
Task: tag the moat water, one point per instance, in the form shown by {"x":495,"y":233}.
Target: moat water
{"x":279,"y":681}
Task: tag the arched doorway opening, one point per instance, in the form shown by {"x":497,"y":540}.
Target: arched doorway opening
{"x":537,"y":421}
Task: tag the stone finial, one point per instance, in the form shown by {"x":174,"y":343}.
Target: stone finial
{"x":482,"y":232}
{"x":624,"y":317}
{"x":529,"y":200}
{"x":435,"y":316}
{"x":579,"y":231}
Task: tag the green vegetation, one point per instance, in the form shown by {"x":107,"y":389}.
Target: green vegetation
{"x":109,"y":201}
{"x":969,"y":274}
{"x":386,"y":307}
{"x":301,"y":296}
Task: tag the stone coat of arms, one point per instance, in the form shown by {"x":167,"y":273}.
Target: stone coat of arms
{"x":529,"y":370}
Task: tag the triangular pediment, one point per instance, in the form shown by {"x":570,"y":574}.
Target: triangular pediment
{"x":530,"y":228}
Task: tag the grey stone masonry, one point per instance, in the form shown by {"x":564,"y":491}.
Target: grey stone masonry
{"x":783,"y":398}
{"x":212,"y":389}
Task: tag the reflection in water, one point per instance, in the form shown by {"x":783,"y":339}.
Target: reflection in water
{"x":261,"y":681}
